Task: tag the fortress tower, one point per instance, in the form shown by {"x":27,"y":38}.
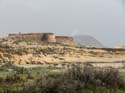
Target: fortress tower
{"x":49,"y":37}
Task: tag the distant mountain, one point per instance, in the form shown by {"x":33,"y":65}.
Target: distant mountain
{"x":87,"y":41}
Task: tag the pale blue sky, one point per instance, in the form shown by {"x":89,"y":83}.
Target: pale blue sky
{"x":103,"y":19}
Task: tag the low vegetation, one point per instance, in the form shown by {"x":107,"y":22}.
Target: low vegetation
{"x":78,"y":79}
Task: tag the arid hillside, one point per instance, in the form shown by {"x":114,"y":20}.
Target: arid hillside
{"x":22,"y":53}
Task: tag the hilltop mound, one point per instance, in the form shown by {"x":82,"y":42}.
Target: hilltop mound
{"x":21,"y":52}
{"x":87,"y":41}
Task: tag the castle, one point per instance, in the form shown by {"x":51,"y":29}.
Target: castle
{"x":43,"y":37}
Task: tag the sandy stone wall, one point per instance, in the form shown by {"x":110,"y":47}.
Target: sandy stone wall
{"x":29,"y":36}
{"x":45,"y":37}
{"x":48,"y":37}
{"x":65,"y":40}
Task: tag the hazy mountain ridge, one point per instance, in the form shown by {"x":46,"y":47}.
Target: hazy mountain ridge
{"x":87,"y":40}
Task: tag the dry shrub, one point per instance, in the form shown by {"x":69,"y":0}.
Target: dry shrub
{"x":78,"y":78}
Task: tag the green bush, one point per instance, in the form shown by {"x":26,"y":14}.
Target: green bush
{"x":79,"y":78}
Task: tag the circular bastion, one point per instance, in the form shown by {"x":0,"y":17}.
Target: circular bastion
{"x":49,"y":37}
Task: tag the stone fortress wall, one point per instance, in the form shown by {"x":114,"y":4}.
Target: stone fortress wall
{"x":44,"y":37}
{"x":28,"y":36}
{"x":65,"y":39}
